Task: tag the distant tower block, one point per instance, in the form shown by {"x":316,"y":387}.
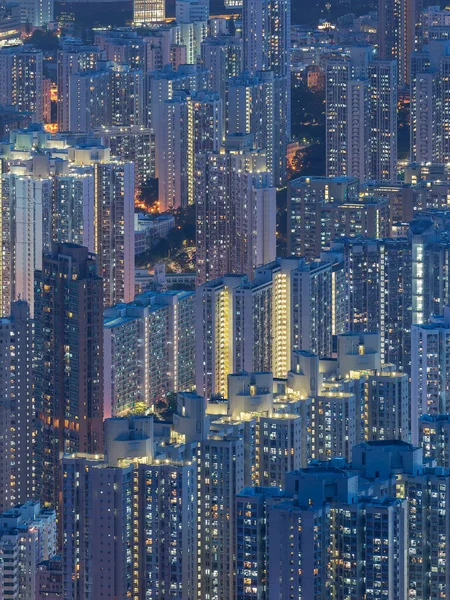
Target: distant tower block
{"x":149,"y":11}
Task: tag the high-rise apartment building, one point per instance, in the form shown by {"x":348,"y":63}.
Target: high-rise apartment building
{"x":207,"y":130}
{"x":6,"y":256}
{"x":49,"y":579}
{"x":318,"y":526}
{"x":147,"y":12}
{"x":429,"y":248}
{"x":434,"y":437}
{"x":158,"y":49}
{"x":100,"y":496}
{"x":398,"y":195}
{"x":334,"y":418}
{"x":97,"y":497}
{"x":266,"y":34}
{"x":189,"y":11}
{"x":331,"y":530}
{"x":310,"y":316}
{"x":347,"y":114}
{"x":416,"y":172}
{"x":221,"y":471}
{"x":169,"y":501}
{"x":341,"y":405}
{"x":333,"y":407}
{"x":186,"y":40}
{"x":249,"y":111}
{"x":162,"y":84}
{"x":150,"y":505}
{"x":91,"y":95}
{"x":98,"y":98}
{"x":36,"y":13}
{"x":71,"y":59}
{"x":6,"y":497}
{"x":214,"y":361}
{"x":235,"y":210}
{"x":355,"y":124}
{"x":387,"y":406}
{"x":266,"y":29}
{"x":149,"y":350}
{"x":33,"y":204}
{"x":55,"y":200}
{"x":409,"y":493}
{"x":69,"y":381}
{"x":252,"y":504}
{"x":429,"y":105}
{"x":278,"y":448}
{"x":190,"y":124}
{"x":252,"y":326}
{"x":430,"y":196}
{"x":73,"y":215}
{"x":27,"y":537}
{"x":123,"y":362}
{"x":385,"y":528}
{"x":361,"y":117}
{"x":399,"y":33}
{"x":367,"y":217}
{"x":286,"y":576}
{"x":122,"y":46}
{"x":430,"y":363}
{"x":26,"y":232}
{"x":222,"y":57}
{"x":379,"y":293}
{"x":424,"y":90}
{"x":358,"y":352}
{"x":383,"y":120}
{"x":428,"y":493}
{"x":127,"y":96}
{"x":132,"y":144}
{"x":114,"y":229}
{"x":306,"y":197}
{"x":17,"y":408}
{"x":21,"y":79}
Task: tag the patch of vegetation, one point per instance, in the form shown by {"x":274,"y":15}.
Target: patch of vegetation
{"x":149,"y":193}
{"x":310,"y":161}
{"x":307,"y":13}
{"x":308,"y":127}
{"x":178,"y":249}
{"x":165,"y":409}
{"x":307,"y":113}
{"x":47,"y":41}
{"x":310,"y":13}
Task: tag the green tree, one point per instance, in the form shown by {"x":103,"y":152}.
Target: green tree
{"x":44,"y":40}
